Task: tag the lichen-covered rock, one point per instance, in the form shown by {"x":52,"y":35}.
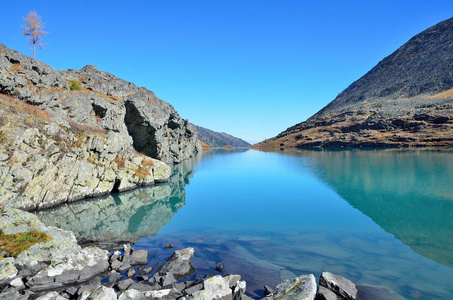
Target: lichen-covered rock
{"x":131,"y":294}
{"x":215,"y":287}
{"x":299,"y":288}
{"x":7,"y":270}
{"x":101,"y":293}
{"x":63,"y":146}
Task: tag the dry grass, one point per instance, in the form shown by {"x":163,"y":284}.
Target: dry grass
{"x":16,"y":67}
{"x":26,"y":108}
{"x":120,"y":162}
{"x":446,"y":94}
{"x":205,"y":146}
{"x":14,"y":244}
{"x":141,"y":172}
{"x":86,"y":129}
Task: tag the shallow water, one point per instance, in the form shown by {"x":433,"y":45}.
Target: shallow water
{"x":381,"y":218}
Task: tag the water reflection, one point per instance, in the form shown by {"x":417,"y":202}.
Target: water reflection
{"x":407,"y":193}
{"x":124,"y":217}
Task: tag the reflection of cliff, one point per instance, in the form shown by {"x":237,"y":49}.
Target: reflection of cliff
{"x":125,"y":216}
{"x":408,"y":193}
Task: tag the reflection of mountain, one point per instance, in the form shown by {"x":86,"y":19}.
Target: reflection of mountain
{"x":125,"y":216}
{"x":407,"y":193}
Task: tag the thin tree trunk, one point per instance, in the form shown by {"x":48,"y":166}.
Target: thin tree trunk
{"x":34,"y":50}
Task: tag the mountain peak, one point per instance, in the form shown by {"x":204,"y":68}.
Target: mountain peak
{"x":405,"y":100}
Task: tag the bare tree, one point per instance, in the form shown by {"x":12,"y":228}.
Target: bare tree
{"x":34,"y":29}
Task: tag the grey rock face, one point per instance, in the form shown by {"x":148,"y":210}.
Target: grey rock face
{"x":68,"y":145}
{"x":302,"y":287}
{"x":340,"y":285}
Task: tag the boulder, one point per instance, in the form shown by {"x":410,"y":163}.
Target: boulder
{"x":339,"y":285}
{"x":215,"y":287}
{"x":179,"y":264}
{"x":302,"y":287}
{"x":164,"y":294}
{"x":131,"y":295}
{"x":325,"y":294}
{"x":100,"y":293}
{"x":139,"y":257}
{"x":7,"y":270}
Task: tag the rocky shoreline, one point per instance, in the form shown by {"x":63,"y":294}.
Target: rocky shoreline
{"x":62,"y":269}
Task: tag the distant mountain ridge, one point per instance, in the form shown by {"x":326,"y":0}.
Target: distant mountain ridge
{"x":405,"y":100}
{"x":219,"y":139}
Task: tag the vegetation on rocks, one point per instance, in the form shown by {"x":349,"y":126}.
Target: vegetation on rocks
{"x":75,"y":85}
{"x":14,"y":244}
{"x":62,"y":143}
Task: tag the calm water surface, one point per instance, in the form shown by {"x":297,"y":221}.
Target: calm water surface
{"x":382,"y":218}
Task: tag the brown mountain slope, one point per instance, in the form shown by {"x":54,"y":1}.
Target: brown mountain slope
{"x":405,"y":100}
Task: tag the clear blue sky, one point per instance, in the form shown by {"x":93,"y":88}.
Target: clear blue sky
{"x":250,"y":68}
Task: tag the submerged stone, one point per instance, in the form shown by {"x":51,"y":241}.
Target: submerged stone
{"x":340,"y":285}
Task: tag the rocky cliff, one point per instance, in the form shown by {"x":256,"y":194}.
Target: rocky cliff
{"x":68,"y":135}
{"x":219,"y":139}
{"x":405,"y":100}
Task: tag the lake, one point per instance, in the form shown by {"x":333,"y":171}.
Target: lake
{"x":382,"y":218}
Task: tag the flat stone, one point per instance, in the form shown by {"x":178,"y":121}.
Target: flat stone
{"x":10,"y":293}
{"x":140,"y":286}
{"x":116,"y":265}
{"x":91,"y":285}
{"x":71,"y":290}
{"x":179,"y":264}
{"x":339,"y":285}
{"x":232,"y":280}
{"x":18,"y":284}
{"x":114,"y":279}
{"x":168,"y":280}
{"x":193,"y":289}
{"x":325,"y":294}
{"x":302,"y":287}
{"x":215,"y":287}
{"x":7,"y":270}
{"x":102,"y":293}
{"x":124,"y":267}
{"x":124,"y":284}
{"x":51,"y":296}
{"x":139,"y":257}
{"x":131,"y":295}
{"x":164,"y":294}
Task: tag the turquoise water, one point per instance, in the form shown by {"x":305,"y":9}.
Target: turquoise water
{"x":382,"y":218}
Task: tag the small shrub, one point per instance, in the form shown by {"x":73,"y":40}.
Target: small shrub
{"x":75,"y":85}
{"x":119,"y":162}
{"x":16,"y":67}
